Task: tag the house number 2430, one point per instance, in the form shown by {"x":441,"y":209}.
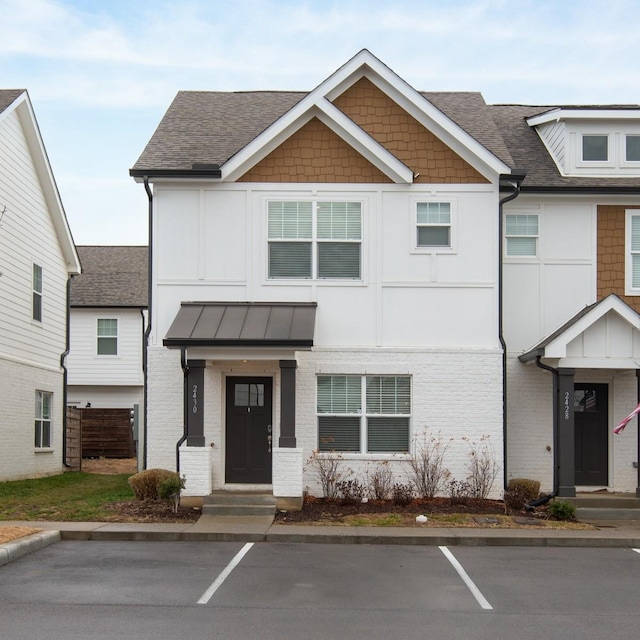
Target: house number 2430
{"x":194,"y":397}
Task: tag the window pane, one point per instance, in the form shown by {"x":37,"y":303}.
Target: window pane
{"x":38,"y":434}
{"x":339,"y":260}
{"x":522,"y":246}
{"x":107,"y":346}
{"x":635,"y":233}
{"x":388,"y":435}
{"x":338,"y":433}
{"x":434,"y":212}
{"x":388,"y":394}
{"x":635,"y":271}
{"x":289,"y":259}
{"x":289,"y":219}
{"x":37,"y":278}
{"x":585,"y":400}
{"x":339,"y":221}
{"x":595,"y":148}
{"x":46,"y":434}
{"x":521,"y":225}
{"x":107,"y":327}
{"x":633,"y":148}
{"x":339,"y":394}
{"x":46,"y":406}
{"x":433,"y":236}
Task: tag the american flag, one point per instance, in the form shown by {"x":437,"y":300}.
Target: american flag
{"x":623,"y":423}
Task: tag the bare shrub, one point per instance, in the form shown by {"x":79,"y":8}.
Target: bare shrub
{"x":427,"y":465}
{"x":482,"y":466}
{"x":350,"y":491}
{"x":402,"y":493}
{"x":459,"y":492}
{"x":380,"y":481}
{"x":146,"y":484}
{"x":329,"y":471}
{"x":520,"y":491}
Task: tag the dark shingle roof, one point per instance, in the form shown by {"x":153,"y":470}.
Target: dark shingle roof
{"x":529,"y":152}
{"x":7,"y":96}
{"x":111,"y":277}
{"x":211,"y":126}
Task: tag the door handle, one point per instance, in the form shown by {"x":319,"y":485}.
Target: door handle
{"x":269,"y":442}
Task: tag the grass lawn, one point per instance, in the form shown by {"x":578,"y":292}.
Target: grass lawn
{"x":70,"y":496}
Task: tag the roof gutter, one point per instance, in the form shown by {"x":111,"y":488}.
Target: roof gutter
{"x":511,"y":182}
{"x":147,"y":332}
{"x":63,"y":365}
{"x":611,"y":191}
{"x":198,"y":170}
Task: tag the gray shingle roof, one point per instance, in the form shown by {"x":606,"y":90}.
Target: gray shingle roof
{"x":7,"y":96}
{"x":111,"y":277}
{"x":529,"y":152}
{"x":211,"y":127}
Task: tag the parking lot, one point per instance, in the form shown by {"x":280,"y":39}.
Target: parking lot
{"x":274,"y":590}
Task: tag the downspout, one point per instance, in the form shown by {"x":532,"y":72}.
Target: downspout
{"x":147,"y":332}
{"x":514,"y":182}
{"x":555,"y":422}
{"x":63,"y":365}
{"x":185,"y":371}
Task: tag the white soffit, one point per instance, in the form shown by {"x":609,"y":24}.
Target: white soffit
{"x":556,"y":115}
{"x":364,"y":64}
{"x":558,"y":348}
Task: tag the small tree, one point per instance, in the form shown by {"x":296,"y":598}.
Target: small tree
{"x":328,"y":469}
{"x":427,"y":464}
{"x":483,"y":467}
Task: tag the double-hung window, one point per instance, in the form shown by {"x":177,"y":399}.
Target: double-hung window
{"x":44,"y":402}
{"x":314,"y":240}
{"x":521,"y":233}
{"x":433,"y":224}
{"x":364,"y":414}
{"x":107,"y":337}
{"x":37,"y":293}
{"x":632,"y":278}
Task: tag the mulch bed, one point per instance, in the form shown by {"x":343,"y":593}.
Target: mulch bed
{"x":150,"y":511}
{"x":327,"y":510}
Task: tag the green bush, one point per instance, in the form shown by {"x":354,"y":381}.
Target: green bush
{"x":561,"y":510}
{"x":146,"y":484}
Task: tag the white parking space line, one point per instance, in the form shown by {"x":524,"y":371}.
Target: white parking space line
{"x":637,"y":550}
{"x":208,"y":594}
{"x":482,"y":601}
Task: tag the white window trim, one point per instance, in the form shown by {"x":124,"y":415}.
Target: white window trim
{"x":364,"y":419}
{"x":628,"y":268}
{"x":505,"y":253}
{"x":453,"y":226}
{"x":623,"y":149}
{"x":609,"y":162}
{"x":314,"y":242}
{"x":39,"y":293}
{"x":40,"y":419}
{"x":117,"y":337}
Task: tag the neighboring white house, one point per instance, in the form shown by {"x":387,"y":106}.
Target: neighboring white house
{"x":108,"y":315}
{"x":345,"y":269}
{"x":37,"y":258}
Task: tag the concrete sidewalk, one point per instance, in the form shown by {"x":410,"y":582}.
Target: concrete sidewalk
{"x":262,"y":529}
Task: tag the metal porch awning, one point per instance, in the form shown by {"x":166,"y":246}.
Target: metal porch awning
{"x":243,"y":324}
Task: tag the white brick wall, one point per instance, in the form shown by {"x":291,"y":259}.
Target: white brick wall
{"x":18,"y":456}
{"x":457,"y":393}
{"x":287,"y":473}
{"x":195,"y":466}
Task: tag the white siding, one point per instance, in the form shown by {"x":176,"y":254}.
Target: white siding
{"x":84,"y":364}
{"x":28,"y":236}
{"x":554,"y":135}
{"x":210,"y":244}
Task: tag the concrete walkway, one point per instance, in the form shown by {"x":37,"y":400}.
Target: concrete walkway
{"x":262,"y":529}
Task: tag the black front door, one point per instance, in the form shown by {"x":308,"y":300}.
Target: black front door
{"x":248,"y":430}
{"x":591,"y":404}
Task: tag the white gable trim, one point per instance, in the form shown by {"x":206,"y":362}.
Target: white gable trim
{"x":556,"y":115}
{"x":24,"y":110}
{"x":557,"y":348}
{"x":364,"y":64}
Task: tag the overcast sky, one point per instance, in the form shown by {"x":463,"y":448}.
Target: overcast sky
{"x":102,"y":73}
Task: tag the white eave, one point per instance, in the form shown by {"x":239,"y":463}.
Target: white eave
{"x":318,"y":104}
{"x":24,"y":110}
{"x":556,"y":115}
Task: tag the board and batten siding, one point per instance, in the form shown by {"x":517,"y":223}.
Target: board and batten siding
{"x":211,"y":244}
{"x":27,"y":236}
{"x":86,"y":367}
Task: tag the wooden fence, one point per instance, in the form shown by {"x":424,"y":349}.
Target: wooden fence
{"x":73,"y":453}
{"x":107,"y":433}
